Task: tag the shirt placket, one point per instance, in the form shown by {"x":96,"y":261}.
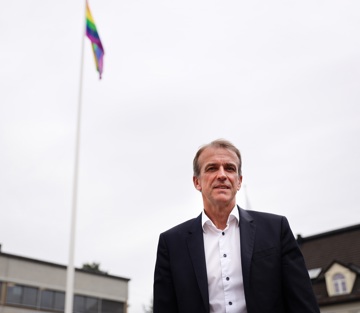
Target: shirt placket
{"x":225,"y":268}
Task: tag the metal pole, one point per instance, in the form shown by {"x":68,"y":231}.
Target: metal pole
{"x":70,"y":269}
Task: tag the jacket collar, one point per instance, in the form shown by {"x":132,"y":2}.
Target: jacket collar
{"x":195,"y":241}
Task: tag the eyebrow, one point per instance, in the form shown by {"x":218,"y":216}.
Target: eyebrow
{"x":217,"y":164}
{"x":211,"y":164}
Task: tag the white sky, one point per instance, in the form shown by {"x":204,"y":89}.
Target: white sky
{"x":280,"y":79}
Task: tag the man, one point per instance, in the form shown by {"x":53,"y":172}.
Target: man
{"x":228,"y":259}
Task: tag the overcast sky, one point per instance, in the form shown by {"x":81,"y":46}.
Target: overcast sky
{"x":280,"y":79}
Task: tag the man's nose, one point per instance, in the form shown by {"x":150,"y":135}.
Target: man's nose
{"x":221,"y":173}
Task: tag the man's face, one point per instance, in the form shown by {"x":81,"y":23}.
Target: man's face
{"x":219,"y":180}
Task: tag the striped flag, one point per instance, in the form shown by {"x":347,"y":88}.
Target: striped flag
{"x":93,"y":35}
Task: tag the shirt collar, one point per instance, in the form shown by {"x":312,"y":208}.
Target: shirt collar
{"x":234,"y":214}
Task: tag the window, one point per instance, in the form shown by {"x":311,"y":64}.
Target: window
{"x":52,"y":300}
{"x":13,"y":295}
{"x":339,"y":284}
{"x":59,"y":301}
{"x":79,"y":304}
{"x":30,"y":295}
{"x":109,"y":306}
{"x":46,"y":299}
{"x":84,"y":304}
{"x":91,"y":305}
{"x":22,"y":295}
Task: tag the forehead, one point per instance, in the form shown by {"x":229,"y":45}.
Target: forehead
{"x":218,"y":155}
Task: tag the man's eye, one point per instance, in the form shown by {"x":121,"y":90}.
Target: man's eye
{"x":231,"y":168}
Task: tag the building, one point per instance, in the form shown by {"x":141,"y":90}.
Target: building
{"x":333,"y":261}
{"x":29,"y":286}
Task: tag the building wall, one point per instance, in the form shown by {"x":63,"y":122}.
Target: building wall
{"x":341,"y":308}
{"x":32,"y":273}
{"x":101,"y":286}
{"x":9,"y":309}
{"x":53,"y":277}
{"x":106,"y":290}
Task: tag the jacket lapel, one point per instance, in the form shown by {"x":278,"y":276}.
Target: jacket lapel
{"x":195,"y":241}
{"x":247,"y":238}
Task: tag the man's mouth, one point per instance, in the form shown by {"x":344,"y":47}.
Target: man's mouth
{"x":222,"y":187}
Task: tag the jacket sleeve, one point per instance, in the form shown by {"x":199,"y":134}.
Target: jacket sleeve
{"x":164,"y":292}
{"x":297,"y":289}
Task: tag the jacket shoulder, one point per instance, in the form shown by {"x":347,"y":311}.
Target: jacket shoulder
{"x":183,"y":227}
{"x":264,"y":215}
{"x":264,"y":219}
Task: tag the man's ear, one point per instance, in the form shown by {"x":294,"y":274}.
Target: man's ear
{"x":196,"y":183}
{"x":239,"y":183}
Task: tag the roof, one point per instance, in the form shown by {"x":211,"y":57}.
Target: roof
{"x":341,"y":244}
{"x":26,"y":259}
{"x":320,"y":251}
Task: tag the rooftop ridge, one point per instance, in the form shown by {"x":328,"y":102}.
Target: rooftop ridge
{"x":338,"y":231}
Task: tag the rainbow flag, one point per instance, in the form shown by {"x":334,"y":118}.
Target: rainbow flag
{"x":93,"y":35}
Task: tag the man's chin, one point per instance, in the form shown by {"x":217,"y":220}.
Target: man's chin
{"x":223,"y":199}
{"x":224,"y":193}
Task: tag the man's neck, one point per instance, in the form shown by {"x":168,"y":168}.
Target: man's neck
{"x":219,"y":215}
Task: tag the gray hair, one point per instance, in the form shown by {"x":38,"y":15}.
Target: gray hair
{"x":219,"y":143}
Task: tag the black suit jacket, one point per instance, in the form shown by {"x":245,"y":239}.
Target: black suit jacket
{"x":274,"y":273}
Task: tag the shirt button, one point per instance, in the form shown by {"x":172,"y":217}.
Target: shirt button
{"x":223,"y":233}
{"x":225,"y":255}
{"x":230,"y":303}
{"x":227,"y":278}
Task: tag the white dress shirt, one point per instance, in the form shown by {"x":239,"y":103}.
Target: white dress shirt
{"x":223,"y":265}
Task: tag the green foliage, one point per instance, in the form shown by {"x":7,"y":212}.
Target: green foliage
{"x":93,"y":267}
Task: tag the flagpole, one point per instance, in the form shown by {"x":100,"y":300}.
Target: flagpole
{"x":70,"y":268}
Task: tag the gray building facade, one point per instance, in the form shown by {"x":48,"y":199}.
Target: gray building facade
{"x":29,"y":285}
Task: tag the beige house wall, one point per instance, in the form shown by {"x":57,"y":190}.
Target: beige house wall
{"x":45,"y":275}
